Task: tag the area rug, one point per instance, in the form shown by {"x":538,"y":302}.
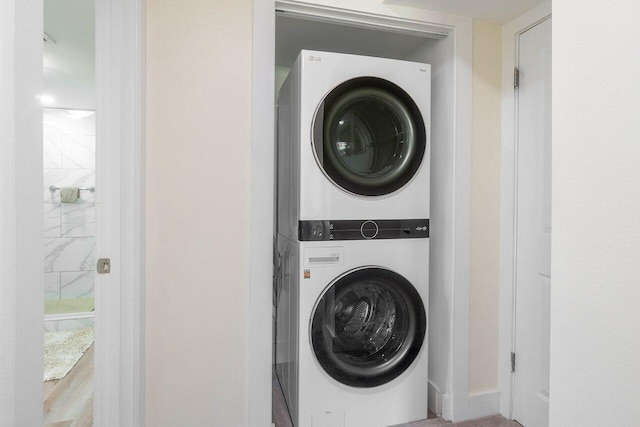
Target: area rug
{"x":63,"y":349}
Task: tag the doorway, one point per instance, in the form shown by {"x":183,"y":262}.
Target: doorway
{"x":447,"y":46}
{"x":119,"y":295}
{"x":69,"y":190}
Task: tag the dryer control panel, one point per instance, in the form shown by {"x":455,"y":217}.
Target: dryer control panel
{"x":368,"y":229}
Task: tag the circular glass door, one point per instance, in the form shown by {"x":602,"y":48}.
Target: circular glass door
{"x":368,"y":327}
{"x":369,"y":136}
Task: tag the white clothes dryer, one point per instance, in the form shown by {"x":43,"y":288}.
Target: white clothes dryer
{"x":351,"y":334}
{"x":353,"y":139}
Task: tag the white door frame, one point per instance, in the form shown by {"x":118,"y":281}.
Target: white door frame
{"x":456,"y":402}
{"x":508,"y":199}
{"x":119,"y":367}
{"x":119,"y":351}
{"x":21,"y":221}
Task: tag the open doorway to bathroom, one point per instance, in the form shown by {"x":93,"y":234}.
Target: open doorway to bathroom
{"x":69,"y":137}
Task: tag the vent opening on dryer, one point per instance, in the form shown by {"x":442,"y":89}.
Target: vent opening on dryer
{"x":369,"y":136}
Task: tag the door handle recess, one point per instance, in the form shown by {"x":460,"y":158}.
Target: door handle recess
{"x":104,"y":266}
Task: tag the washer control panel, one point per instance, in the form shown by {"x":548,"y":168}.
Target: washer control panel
{"x":367,"y":229}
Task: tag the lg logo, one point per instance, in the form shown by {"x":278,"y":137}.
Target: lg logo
{"x":315,"y":58}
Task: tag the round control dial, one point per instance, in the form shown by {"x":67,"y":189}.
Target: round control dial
{"x":369,"y":229}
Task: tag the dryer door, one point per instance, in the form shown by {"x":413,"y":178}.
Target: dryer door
{"x":368,"y":327}
{"x":369,"y":136}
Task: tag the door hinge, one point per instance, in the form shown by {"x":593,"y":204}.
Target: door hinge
{"x":104,"y":266}
{"x":516,"y":77}
{"x":513,"y":362}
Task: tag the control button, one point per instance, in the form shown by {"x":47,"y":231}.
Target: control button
{"x":369,"y":229}
{"x":313,"y":230}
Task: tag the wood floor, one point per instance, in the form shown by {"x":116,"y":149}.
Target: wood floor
{"x":68,"y":402}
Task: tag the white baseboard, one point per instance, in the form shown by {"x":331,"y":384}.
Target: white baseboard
{"x":439,"y":403}
{"x":434,"y":399}
{"x":447,"y":407}
{"x":483,"y":404}
{"x":478,"y":404}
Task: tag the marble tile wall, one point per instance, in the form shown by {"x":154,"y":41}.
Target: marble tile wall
{"x":69,"y":161}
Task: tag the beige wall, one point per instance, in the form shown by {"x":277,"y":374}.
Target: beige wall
{"x":198,"y":172}
{"x":485,"y":207}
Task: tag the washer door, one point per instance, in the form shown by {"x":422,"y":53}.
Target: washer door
{"x":369,"y":136}
{"x":368,"y":327}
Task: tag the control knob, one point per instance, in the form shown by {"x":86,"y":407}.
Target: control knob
{"x":369,"y":229}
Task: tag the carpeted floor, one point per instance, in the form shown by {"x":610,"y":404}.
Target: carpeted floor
{"x":281,"y":416}
{"x":492,"y":421}
{"x":63,"y":349}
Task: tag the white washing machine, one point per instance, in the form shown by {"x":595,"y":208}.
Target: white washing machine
{"x":353,"y":140}
{"x":351,"y":334}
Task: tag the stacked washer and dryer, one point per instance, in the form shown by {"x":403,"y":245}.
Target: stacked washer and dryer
{"x":352,"y":264}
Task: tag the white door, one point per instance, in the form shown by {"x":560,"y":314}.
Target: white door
{"x":533,"y":228}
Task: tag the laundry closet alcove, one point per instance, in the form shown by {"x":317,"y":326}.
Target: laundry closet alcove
{"x":384,"y":30}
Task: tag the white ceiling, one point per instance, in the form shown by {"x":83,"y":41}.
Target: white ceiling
{"x":498,"y":11}
{"x":69,"y":63}
{"x":69,"y":69}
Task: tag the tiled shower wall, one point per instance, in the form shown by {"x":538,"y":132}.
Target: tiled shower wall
{"x":69,"y":161}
